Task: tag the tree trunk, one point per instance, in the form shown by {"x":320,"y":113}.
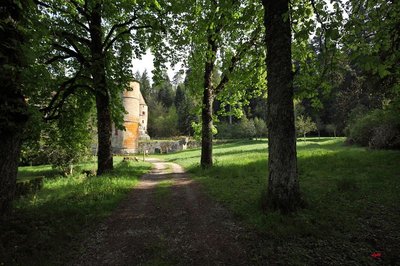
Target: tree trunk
{"x":206,"y":160}
{"x":230,"y":115}
{"x":104,"y":129}
{"x":13,"y":109}
{"x":206,"y":119}
{"x":10,"y":144}
{"x":283,"y":187}
{"x":104,"y":154}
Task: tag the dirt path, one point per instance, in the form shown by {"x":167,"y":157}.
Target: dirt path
{"x":167,"y":220}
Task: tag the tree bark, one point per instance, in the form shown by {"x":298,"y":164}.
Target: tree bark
{"x":206,"y":160}
{"x":104,"y":127}
{"x":283,"y":187}
{"x":10,"y":143}
{"x":13,"y":109}
{"x":206,"y":118}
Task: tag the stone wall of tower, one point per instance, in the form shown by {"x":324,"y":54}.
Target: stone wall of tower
{"x":126,"y":141}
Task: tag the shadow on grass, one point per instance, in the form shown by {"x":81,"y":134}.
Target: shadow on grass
{"x":44,"y":228}
{"x":352,"y":197}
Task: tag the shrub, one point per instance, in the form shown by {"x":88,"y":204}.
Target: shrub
{"x":378,"y":129}
{"x":245,"y":128}
{"x":387,"y":134}
{"x":26,"y":186}
{"x":261,"y":127}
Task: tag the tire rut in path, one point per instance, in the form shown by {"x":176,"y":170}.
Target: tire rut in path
{"x":167,"y":220}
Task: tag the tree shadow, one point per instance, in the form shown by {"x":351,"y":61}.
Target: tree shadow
{"x":45,"y":226}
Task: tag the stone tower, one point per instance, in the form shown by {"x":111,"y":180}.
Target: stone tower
{"x":135,"y":121}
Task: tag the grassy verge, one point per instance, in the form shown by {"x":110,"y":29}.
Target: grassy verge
{"x":353,"y":197}
{"x":46,"y":227}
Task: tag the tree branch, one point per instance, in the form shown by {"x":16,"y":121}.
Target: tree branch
{"x":63,"y":85}
{"x":76,"y":54}
{"x":235,"y":59}
{"x":117,"y":26}
{"x":111,"y":42}
{"x":66,"y":88}
{"x":72,"y":36}
{"x":320,"y":22}
{"x":81,"y":10}
{"x":56,"y":58}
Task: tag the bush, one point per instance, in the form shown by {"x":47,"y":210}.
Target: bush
{"x":386,"y":136}
{"x":261,"y":127}
{"x":378,"y":129}
{"x":244,"y":129}
{"x":26,"y":186}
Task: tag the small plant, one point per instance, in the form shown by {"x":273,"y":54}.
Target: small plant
{"x":304,"y":125}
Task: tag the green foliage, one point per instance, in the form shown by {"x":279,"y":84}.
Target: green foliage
{"x":261,"y":127}
{"x":378,"y":129}
{"x":197,"y":126}
{"x":163,"y":122}
{"x":145,"y":87}
{"x":332,"y":129}
{"x":372,"y":36}
{"x":244,"y":129}
{"x":185,"y":108}
{"x":46,"y":226}
{"x":63,"y":142}
{"x":247,"y":128}
{"x":165,"y":94}
{"x":305,"y":125}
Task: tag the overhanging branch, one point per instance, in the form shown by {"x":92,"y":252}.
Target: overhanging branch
{"x":236,"y":58}
{"x":118,"y":26}
{"x":76,"y":54}
{"x":111,"y":42}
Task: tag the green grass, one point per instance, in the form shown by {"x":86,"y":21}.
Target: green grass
{"x":352,"y":195}
{"x":46,"y":227}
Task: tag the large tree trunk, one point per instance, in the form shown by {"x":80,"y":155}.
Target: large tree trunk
{"x":207,"y":108}
{"x":13,"y":110}
{"x":283,"y":187}
{"x":104,"y":154}
{"x":206,"y":119}
{"x":13,"y":119}
{"x":104,"y":129}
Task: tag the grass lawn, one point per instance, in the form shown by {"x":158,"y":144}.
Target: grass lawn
{"x":45,"y":227}
{"x":353,"y":197}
